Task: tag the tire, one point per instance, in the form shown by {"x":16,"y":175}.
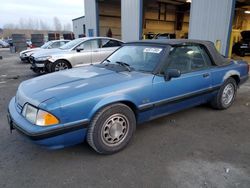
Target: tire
{"x":111,"y":129}
{"x":226,"y":95}
{"x":60,"y":65}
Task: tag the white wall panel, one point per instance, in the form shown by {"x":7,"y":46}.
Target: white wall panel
{"x":131,"y":19}
{"x":78,"y":26}
{"x":91,"y":16}
{"x":211,"y":20}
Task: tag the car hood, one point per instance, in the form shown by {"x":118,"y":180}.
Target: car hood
{"x":30,"y":50}
{"x":47,"y":52}
{"x":65,"y":84}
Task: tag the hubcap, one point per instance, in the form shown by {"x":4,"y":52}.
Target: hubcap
{"x":228,"y":94}
{"x":61,"y":66}
{"x":115,"y":130}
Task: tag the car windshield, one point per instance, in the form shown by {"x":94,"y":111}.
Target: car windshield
{"x":71,"y":44}
{"x":138,"y":58}
{"x":46,"y":45}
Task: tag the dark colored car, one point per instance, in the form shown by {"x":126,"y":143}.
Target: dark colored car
{"x":165,"y":36}
{"x":243,"y":47}
{"x":102,"y":103}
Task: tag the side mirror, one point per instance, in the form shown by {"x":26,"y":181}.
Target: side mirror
{"x":78,"y":49}
{"x":172,"y":73}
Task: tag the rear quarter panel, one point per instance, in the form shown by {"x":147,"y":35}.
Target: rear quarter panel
{"x":221,"y":73}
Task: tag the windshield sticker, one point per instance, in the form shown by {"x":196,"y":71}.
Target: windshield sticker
{"x":152,"y":50}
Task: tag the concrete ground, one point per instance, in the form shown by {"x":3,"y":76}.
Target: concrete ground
{"x":195,"y":148}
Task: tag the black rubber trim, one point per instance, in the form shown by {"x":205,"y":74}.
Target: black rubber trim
{"x":243,"y":79}
{"x":50,"y":133}
{"x":150,"y":106}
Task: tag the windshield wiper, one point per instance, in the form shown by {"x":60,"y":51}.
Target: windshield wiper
{"x":127,"y":66}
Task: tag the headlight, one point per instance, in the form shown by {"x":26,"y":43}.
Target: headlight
{"x":38,"y":117}
{"x":45,"y":58}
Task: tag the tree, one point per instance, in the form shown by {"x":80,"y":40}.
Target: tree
{"x":9,"y":26}
{"x":43,"y":25}
{"x":67,"y":27}
{"x":57,"y":24}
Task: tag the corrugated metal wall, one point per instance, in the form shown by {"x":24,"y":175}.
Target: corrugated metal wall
{"x":131,"y":18}
{"x":211,"y":20}
{"x":91,"y":17}
{"x":78,"y":26}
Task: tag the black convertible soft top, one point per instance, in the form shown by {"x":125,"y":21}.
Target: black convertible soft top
{"x":217,"y":58}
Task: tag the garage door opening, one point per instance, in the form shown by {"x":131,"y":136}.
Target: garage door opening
{"x":166,"y":19}
{"x":109,"y":18}
{"x":240,"y":37}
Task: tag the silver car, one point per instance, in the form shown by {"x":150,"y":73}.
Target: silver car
{"x":75,"y":53}
{"x":25,"y":55}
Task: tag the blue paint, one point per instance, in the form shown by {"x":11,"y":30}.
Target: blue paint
{"x":91,"y":32}
{"x":141,"y":19}
{"x":97,"y":18}
{"x":77,"y":94}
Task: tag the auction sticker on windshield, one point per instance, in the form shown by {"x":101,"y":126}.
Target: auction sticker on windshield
{"x":152,"y":50}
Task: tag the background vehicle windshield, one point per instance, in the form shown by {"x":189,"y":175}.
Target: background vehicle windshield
{"x":46,"y":45}
{"x":139,"y":58}
{"x":71,"y":44}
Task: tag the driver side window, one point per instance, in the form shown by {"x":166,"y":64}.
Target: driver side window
{"x":186,"y":59}
{"x":89,"y":45}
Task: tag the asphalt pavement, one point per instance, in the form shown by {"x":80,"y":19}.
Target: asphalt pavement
{"x":199,"y":147}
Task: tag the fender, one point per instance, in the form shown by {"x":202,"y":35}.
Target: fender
{"x":230,"y":74}
{"x":110,"y":100}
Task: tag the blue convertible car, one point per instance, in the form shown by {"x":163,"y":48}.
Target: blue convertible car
{"x":142,"y":80}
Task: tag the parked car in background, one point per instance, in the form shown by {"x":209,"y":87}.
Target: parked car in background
{"x":165,"y":36}
{"x":77,"y":52}
{"x":4,"y":44}
{"x":141,"y":81}
{"x":242,"y":47}
{"x":149,"y":35}
{"x":29,"y":43}
{"x":25,"y":55}
{"x":9,"y":41}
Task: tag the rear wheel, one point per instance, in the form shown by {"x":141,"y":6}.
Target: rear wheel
{"x":60,"y":65}
{"x":111,"y":129}
{"x":226,"y":95}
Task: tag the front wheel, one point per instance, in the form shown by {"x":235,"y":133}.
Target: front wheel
{"x":111,"y":129}
{"x":60,"y":65}
{"x":226,"y":95}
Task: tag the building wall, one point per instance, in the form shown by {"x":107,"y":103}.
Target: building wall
{"x":131,"y":11}
{"x":211,"y":20}
{"x":78,"y":27}
{"x":91,"y":10}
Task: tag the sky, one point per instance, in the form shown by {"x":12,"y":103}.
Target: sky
{"x":12,"y":11}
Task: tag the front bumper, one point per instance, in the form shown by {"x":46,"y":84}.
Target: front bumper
{"x":54,"y":137}
{"x":40,"y":66}
{"x":24,"y":58}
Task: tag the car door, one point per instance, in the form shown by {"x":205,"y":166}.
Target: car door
{"x":55,"y":44}
{"x":190,"y":89}
{"x":82,"y":54}
{"x":108,"y":46}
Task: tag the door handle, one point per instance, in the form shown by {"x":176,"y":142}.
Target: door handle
{"x":205,"y":75}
